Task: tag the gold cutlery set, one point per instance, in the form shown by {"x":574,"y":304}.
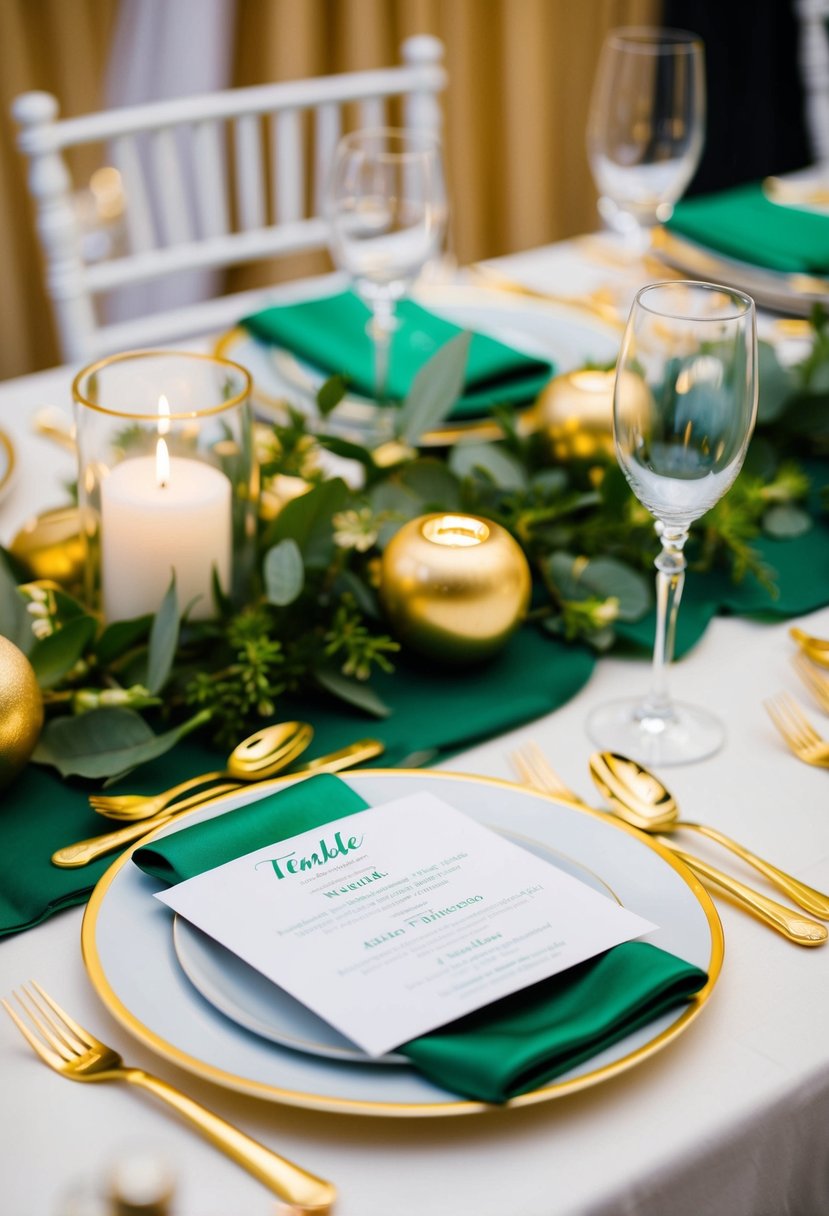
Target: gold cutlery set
{"x":640,"y":799}
{"x":801,"y":736}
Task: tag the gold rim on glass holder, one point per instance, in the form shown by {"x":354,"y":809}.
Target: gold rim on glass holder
{"x":92,"y":369}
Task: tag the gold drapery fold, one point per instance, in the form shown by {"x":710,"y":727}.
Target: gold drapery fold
{"x":520,"y":74}
{"x":60,"y":46}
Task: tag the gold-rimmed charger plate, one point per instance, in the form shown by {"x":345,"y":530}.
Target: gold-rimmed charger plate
{"x":126,"y":937}
{"x":568,"y":337}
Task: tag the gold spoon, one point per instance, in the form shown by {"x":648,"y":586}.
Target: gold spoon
{"x":816,"y":648}
{"x":73,"y":856}
{"x":262,"y":754}
{"x":640,"y":798}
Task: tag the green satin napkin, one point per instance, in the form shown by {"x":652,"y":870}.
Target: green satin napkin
{"x":743,"y":224}
{"x":514,"y":1045}
{"x":331,"y":334}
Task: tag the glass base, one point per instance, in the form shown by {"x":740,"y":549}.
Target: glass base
{"x":683,"y":736}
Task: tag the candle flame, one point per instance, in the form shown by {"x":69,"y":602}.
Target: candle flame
{"x":163,"y":415}
{"x":162,"y":463}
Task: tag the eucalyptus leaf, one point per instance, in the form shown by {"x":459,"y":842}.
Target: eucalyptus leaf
{"x":364,"y":596}
{"x":120,"y":637}
{"x":331,"y":394}
{"x":105,"y":742}
{"x":284,"y":573}
{"x":15,"y":621}
{"x":347,"y":450}
{"x":432,"y":483}
{"x":777,"y":383}
{"x":54,"y":656}
{"x":786,"y":520}
{"x":504,"y":469}
{"x":163,"y":640}
{"x":435,"y":389}
{"x":307,"y":520}
{"x":353,"y":691}
{"x":602,"y":578}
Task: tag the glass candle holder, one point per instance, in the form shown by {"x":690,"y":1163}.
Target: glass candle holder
{"x":167,"y":481}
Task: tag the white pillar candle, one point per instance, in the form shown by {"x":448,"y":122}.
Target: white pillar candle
{"x":152,"y":525}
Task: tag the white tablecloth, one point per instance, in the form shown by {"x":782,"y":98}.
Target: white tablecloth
{"x":732,"y":1118}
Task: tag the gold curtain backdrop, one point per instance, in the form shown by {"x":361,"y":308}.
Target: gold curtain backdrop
{"x":520,"y":74}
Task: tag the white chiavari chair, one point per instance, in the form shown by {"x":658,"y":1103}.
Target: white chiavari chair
{"x":209,"y":182}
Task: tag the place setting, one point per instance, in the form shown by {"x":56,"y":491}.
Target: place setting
{"x":267,"y":673}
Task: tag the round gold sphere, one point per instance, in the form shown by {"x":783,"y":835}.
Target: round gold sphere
{"x":576,"y":412}
{"x":454,"y":587}
{"x":52,"y":547}
{"x":21,"y":711}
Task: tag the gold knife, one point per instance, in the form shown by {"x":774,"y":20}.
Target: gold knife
{"x":73,"y":856}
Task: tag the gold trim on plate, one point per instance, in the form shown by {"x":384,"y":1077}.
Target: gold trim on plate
{"x":556,"y":1089}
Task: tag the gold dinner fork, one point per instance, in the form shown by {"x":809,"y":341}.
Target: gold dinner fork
{"x":802,"y":738}
{"x":815,"y":681}
{"x":75,"y":1053}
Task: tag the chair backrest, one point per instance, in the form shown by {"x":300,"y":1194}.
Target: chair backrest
{"x":209,"y":182}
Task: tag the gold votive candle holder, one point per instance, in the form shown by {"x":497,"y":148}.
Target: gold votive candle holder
{"x":454,"y":587}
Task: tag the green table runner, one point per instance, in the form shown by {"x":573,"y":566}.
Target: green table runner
{"x":743,"y":224}
{"x":434,"y":712}
{"x":514,"y":1045}
{"x":331,"y":334}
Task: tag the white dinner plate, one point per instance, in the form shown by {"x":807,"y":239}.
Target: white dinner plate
{"x":249,"y":998}
{"x":7,"y":463}
{"x":128,"y":951}
{"x":536,"y":327}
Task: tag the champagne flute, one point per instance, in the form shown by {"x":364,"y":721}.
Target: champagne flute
{"x":684,"y":407}
{"x":646,"y":126}
{"x":386,"y":210}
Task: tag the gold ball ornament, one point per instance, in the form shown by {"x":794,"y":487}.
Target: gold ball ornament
{"x":52,"y":547}
{"x":21,"y":711}
{"x":454,"y":587}
{"x":576,"y":412}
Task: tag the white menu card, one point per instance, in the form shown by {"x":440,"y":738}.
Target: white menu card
{"x":401,"y":918}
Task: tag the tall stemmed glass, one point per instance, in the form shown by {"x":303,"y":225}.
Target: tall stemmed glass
{"x":684,"y":408}
{"x":646,"y":126}
{"x":386,"y":209}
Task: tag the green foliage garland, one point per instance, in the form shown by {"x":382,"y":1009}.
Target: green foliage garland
{"x":313,"y":618}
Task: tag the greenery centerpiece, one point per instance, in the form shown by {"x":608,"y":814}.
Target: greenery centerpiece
{"x":121,"y":694}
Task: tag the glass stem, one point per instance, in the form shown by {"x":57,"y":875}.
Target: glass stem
{"x":382,"y":328}
{"x":670,"y":579}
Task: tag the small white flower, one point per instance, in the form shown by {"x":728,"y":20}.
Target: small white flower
{"x":355,"y":529}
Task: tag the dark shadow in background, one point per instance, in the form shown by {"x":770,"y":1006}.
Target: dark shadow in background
{"x":756,"y":122}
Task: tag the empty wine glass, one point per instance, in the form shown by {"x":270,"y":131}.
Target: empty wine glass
{"x":684,"y":407}
{"x":386,"y":210}
{"x":646,"y":126}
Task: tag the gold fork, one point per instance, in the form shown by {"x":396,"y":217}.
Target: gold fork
{"x":815,"y":681}
{"x":798,"y":732}
{"x":75,"y":1053}
{"x":536,"y":770}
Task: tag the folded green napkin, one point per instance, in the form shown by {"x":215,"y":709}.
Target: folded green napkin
{"x":512,"y":1046}
{"x":331,"y":334}
{"x":743,"y":224}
